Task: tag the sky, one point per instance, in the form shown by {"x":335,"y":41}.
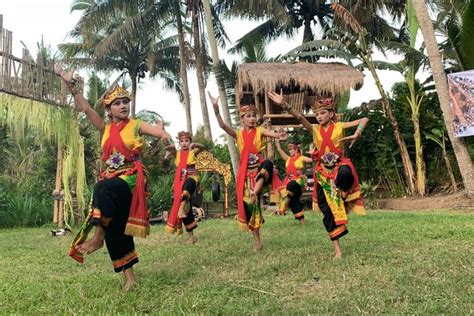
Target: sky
{"x":29,"y":20}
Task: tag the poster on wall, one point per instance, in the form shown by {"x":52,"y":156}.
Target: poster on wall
{"x":461,"y":94}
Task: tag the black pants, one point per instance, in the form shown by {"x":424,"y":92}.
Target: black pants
{"x":294,"y":192}
{"x":189,"y":188}
{"x":112,"y":198}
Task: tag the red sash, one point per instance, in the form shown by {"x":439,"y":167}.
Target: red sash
{"x":174,"y":222}
{"x":291,"y":171}
{"x":138,"y":221}
{"x":327,"y":142}
{"x":249,"y":148}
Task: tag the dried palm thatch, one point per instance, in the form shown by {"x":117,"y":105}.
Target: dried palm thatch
{"x":331,"y":78}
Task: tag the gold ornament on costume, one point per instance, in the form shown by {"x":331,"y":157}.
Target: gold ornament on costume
{"x":117,"y":93}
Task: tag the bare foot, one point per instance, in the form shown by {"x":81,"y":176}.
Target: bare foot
{"x":191,"y":240}
{"x":302,"y":221}
{"x":258,"y":248}
{"x":181,"y":211}
{"x":337,"y":255}
{"x":344,"y":194}
{"x":90,"y":246}
{"x":129,"y":285}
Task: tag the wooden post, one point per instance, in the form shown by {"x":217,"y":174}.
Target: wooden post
{"x":57,"y":187}
{"x":2,"y":58}
{"x":226,"y":202}
{"x":270,"y":151}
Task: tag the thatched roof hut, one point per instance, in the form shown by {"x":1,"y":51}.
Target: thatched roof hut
{"x":301,"y":83}
{"x":331,"y":78}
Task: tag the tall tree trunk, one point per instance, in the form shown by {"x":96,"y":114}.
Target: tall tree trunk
{"x":217,"y":72}
{"x":415,"y":101}
{"x":406,"y":162}
{"x":459,"y":146}
{"x":182,"y":67}
{"x":200,"y":70}
{"x":133,"y":78}
{"x":307,"y":33}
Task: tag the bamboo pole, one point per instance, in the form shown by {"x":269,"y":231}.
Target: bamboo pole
{"x":57,"y":187}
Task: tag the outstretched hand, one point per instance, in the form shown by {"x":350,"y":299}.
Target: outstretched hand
{"x":214,"y":101}
{"x":277,"y":98}
{"x":66,"y":76}
{"x":352,"y":139}
{"x":282,"y":135}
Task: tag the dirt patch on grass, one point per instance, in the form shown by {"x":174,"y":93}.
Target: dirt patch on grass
{"x":443,"y":201}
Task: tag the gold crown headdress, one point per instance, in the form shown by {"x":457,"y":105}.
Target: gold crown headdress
{"x":184,"y":134}
{"x":244,"y":109}
{"x":117,"y":93}
{"x":323,"y":104}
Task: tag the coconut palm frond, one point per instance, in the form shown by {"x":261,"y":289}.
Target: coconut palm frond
{"x":269,"y":29}
{"x":346,"y":16}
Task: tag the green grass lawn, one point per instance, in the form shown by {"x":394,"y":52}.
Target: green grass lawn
{"x":395,"y":262}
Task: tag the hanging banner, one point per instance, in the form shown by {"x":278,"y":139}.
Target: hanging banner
{"x":461,"y":94}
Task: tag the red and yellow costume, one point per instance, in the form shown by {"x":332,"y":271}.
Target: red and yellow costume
{"x":334,"y":174}
{"x":293,"y":185}
{"x":186,"y":180}
{"x":119,"y":198}
{"x":253,"y":166}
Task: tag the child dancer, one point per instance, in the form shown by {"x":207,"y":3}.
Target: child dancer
{"x":254,"y":170}
{"x":186,"y":181}
{"x":294,"y":183}
{"x":337,"y":187}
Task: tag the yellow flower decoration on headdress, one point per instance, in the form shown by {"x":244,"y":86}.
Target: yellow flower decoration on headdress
{"x":117,"y":93}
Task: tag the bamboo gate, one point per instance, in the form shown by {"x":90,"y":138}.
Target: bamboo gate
{"x":33,"y":79}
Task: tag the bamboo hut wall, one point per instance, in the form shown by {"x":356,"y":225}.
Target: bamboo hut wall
{"x":25,"y":77}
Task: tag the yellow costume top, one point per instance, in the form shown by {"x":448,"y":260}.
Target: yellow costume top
{"x":130,"y":135}
{"x":299,"y":163}
{"x":337,"y":134}
{"x":259,"y":140}
{"x":134,"y":141}
{"x":191,"y":158}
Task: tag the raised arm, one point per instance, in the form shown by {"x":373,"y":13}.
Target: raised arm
{"x":280,"y":135}
{"x":79,"y":99}
{"x":283,"y":155}
{"x":360,"y":123}
{"x":228,"y":129}
{"x":307,"y":159}
{"x":158,"y":131}
{"x":278,"y":99}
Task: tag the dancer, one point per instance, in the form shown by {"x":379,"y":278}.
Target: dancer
{"x":254,"y":170}
{"x":294,"y":183}
{"x":337,"y":189}
{"x":186,"y":181}
{"x":118,"y":208}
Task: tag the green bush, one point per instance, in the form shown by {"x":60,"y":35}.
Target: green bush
{"x":20,"y":208}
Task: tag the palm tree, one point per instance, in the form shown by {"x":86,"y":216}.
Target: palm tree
{"x":349,"y":45}
{"x":222,"y":93}
{"x":194,"y":7}
{"x":182,"y":65}
{"x":107,"y":41}
{"x":459,"y":146}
